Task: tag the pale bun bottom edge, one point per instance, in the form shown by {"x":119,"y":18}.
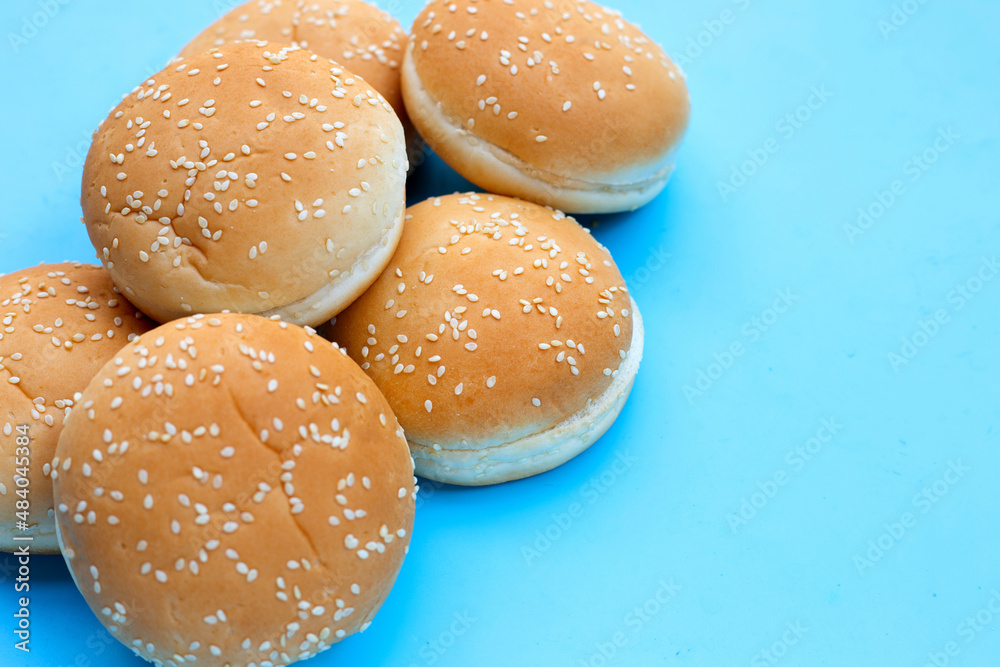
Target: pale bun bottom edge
{"x":41,"y":542}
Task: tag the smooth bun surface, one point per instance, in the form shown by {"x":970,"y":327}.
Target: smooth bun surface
{"x":59,"y":325}
{"x":501,"y":333}
{"x":233,"y":490}
{"x":565,"y":104}
{"x":360,"y":36}
{"x":253,"y":178}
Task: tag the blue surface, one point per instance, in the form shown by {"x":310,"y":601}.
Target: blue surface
{"x":657,"y":502}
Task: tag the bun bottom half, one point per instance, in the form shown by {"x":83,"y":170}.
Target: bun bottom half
{"x":538,"y":452}
{"x":500,"y":171}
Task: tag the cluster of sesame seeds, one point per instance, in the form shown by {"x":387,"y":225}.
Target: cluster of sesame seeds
{"x":356,"y":33}
{"x":354,"y":44}
{"x":467,"y":350}
{"x":220,"y":361}
{"x":207,"y":180}
{"x":509,"y":42}
{"x":28,"y":302}
{"x":47,"y":314}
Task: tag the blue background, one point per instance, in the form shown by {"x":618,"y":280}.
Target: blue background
{"x":816,"y":553}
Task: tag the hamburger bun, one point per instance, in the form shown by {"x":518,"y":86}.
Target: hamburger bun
{"x":565,"y":104}
{"x":255,"y":178}
{"x":59,"y":325}
{"x":356,"y":34}
{"x":233,"y":490}
{"x":501,"y":333}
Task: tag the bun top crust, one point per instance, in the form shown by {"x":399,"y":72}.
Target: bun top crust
{"x":59,"y":324}
{"x":356,"y":34}
{"x":570,"y":87}
{"x":256,"y":20}
{"x":232,"y":487}
{"x":247,"y":178}
{"x":494,"y":320}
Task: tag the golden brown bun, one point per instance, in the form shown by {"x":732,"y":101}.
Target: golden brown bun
{"x":356,"y":34}
{"x":496,"y":321}
{"x":197,"y":202}
{"x":233,"y":489}
{"x":59,"y":324}
{"x":565,"y":104}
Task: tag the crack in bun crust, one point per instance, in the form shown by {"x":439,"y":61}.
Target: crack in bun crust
{"x":233,"y":489}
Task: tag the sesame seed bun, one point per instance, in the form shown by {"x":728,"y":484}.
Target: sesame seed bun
{"x":244,"y":482}
{"x":356,"y":34}
{"x":501,"y":333}
{"x":59,"y":324}
{"x":567,"y":105}
{"x":255,"y":178}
